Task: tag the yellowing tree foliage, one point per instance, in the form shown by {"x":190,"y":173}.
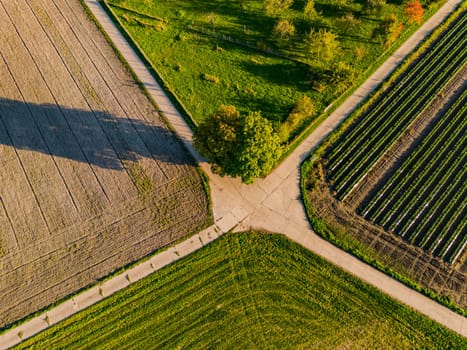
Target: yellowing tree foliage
{"x":322,"y":44}
{"x":274,"y":7}
{"x":284,"y":29}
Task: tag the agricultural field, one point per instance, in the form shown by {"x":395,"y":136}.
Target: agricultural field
{"x":91,"y":178}
{"x":401,"y":167}
{"x":243,"y":291}
{"x":231,"y":52}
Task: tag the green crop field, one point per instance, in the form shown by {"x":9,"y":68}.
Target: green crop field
{"x":248,"y":290}
{"x":390,"y":184}
{"x":225,"y":52}
{"x":434,"y":174}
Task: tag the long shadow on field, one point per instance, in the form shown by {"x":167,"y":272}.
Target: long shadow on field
{"x":93,"y":137}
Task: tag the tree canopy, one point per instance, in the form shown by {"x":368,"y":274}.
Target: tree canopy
{"x":275,"y":7}
{"x":389,"y":28}
{"x":322,"y":45}
{"x":284,"y":30}
{"x":414,"y":11}
{"x":239,"y":146}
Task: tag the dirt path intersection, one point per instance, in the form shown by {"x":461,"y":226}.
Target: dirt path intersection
{"x":272,"y":203}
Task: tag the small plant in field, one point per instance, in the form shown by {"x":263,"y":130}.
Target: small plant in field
{"x":211,"y":18}
{"x":360,"y":52}
{"x":182,"y":36}
{"x":126,"y":18}
{"x":159,"y":27}
{"x":210,"y":78}
{"x":180,"y":13}
{"x":257,"y":60}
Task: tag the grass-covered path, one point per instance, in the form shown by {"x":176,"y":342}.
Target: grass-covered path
{"x":274,"y":203}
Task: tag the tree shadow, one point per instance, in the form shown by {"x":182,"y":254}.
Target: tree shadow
{"x":283,"y":74}
{"x":93,"y":137}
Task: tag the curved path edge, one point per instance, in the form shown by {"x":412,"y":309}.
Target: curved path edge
{"x":271,"y":204}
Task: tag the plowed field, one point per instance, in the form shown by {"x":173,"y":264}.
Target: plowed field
{"x":91,"y":179}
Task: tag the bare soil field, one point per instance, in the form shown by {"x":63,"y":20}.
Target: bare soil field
{"x":91,"y":178}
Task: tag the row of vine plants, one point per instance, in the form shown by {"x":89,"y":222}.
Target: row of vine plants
{"x":390,"y":115}
{"x":424,"y":200}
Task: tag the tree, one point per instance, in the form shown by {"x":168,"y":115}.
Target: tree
{"x":389,"y":29}
{"x":274,"y":7}
{"x":284,"y":30}
{"x":309,"y":10}
{"x":376,"y":6}
{"x":260,"y":148}
{"x":216,"y":138}
{"x":322,"y":45}
{"x":414,"y":11}
{"x":238,"y":146}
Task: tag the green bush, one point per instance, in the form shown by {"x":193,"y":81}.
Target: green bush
{"x":303,"y":109}
{"x":211,"y":78}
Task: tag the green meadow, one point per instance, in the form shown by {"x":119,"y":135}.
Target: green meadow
{"x":225,"y":52}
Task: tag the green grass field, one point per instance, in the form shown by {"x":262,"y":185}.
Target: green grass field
{"x":248,"y":291}
{"x":199,"y":48}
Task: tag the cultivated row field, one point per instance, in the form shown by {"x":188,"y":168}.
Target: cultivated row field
{"x":392,"y":184}
{"x":91,"y":178}
{"x":424,"y":200}
{"x":248,"y":291}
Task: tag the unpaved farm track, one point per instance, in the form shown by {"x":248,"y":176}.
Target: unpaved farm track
{"x":91,"y":179}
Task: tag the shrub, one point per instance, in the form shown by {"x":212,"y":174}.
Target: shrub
{"x":309,"y":10}
{"x":284,"y":30}
{"x":303,"y":108}
{"x":210,"y":78}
